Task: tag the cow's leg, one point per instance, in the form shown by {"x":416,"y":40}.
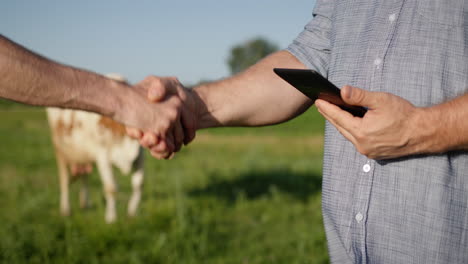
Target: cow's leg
{"x":64,"y":185}
{"x":109,"y":186}
{"x":84,"y":194}
{"x":137,"y":183}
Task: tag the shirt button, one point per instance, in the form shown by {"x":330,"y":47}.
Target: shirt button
{"x":359,"y":217}
{"x":366,"y":168}
{"x":392,"y":17}
{"x":377,"y":62}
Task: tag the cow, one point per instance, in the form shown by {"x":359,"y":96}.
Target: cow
{"x":82,"y":138}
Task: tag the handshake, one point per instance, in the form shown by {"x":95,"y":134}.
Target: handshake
{"x":165,"y":120}
{"x":159,"y":112}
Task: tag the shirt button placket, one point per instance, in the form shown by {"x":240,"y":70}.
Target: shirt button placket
{"x":360,"y":211}
{"x":366,"y":168}
{"x":359,"y":216}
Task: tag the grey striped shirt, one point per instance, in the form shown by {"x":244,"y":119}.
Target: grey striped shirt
{"x":413,"y":209}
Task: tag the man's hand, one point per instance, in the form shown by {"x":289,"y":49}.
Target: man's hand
{"x":158,"y":90}
{"x":162,"y":119}
{"x":389,"y":129}
{"x":255,"y":97}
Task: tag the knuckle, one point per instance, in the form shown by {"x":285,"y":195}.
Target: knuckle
{"x":151,"y":78}
{"x":359,"y":135}
{"x":173,"y":79}
{"x":152,"y":138}
{"x":172,"y":114}
{"x":360,"y":97}
{"x":144,"y":144}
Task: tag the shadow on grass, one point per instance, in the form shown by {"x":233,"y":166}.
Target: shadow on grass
{"x":254,"y":184}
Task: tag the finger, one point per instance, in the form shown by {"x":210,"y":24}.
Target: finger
{"x":337,"y":116}
{"x":168,"y":128}
{"x":178,"y":136}
{"x":148,"y":140}
{"x":342,"y":131}
{"x":156,"y":91}
{"x":166,"y":145}
{"x":160,"y":150}
{"x":161,"y":154}
{"x":161,"y":147}
{"x":153,"y":87}
{"x":356,"y":96}
{"x":170,"y":142}
{"x":134,"y":132}
{"x":171,"y":156}
{"x":188,"y":124}
{"x":157,"y":155}
{"x":159,"y":88}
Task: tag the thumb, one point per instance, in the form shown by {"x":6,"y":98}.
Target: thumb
{"x":356,"y":96}
{"x":156,"y":92}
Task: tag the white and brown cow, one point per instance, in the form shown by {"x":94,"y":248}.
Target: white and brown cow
{"x":81,"y":138}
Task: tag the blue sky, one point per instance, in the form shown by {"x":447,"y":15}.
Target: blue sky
{"x":187,"y":39}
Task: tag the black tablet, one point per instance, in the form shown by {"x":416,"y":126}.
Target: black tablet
{"x":315,"y":86}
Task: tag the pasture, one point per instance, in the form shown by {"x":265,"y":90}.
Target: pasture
{"x":235,"y":195}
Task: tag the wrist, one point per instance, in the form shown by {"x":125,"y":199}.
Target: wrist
{"x":431,"y":128}
{"x":204,"y":109}
{"x":122,"y":102}
{"x":92,"y":92}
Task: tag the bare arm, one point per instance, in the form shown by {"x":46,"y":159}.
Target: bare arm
{"x":446,"y":126}
{"x":31,"y":79}
{"x":256,"y":97}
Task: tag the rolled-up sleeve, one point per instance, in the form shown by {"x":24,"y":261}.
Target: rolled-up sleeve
{"x":313,"y":46}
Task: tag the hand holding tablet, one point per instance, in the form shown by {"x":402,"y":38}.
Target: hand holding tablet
{"x":315,"y":86}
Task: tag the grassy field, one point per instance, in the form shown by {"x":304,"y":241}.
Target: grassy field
{"x":233,"y":196}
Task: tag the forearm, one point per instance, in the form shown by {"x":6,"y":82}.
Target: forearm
{"x":255,"y":97}
{"x":445,"y":127}
{"x":31,"y":79}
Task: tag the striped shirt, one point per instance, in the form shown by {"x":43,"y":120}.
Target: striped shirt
{"x":407,"y":210}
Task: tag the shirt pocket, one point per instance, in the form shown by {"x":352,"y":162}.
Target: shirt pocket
{"x":443,"y":12}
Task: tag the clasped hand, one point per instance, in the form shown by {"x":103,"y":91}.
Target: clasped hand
{"x":178,"y":125}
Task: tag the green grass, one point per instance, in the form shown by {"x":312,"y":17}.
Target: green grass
{"x":237,"y":195}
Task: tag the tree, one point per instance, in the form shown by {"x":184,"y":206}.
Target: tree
{"x":248,"y":53}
